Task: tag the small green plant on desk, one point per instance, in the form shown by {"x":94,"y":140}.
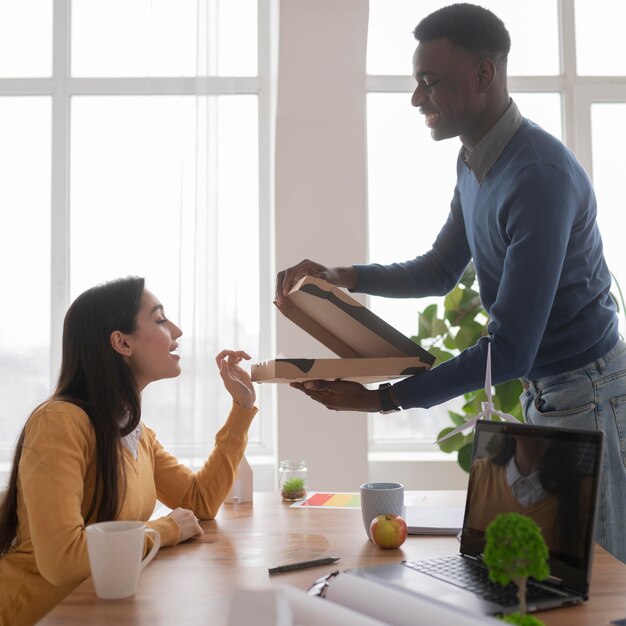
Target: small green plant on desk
{"x":463,"y":322}
{"x":293,"y":489}
{"x":514,"y":551}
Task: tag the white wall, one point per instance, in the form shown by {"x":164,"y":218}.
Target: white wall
{"x":320,"y":207}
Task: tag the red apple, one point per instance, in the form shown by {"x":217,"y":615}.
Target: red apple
{"x":388,"y":531}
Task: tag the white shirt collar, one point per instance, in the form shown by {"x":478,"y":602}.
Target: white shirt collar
{"x":526,"y":489}
{"x":131,"y":441}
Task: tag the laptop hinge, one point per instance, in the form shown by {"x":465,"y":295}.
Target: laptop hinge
{"x":474,"y":559}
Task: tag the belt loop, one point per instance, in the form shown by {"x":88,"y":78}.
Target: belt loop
{"x":600,"y":365}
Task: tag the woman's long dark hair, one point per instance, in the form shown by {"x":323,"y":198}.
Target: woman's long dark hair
{"x":94,"y":377}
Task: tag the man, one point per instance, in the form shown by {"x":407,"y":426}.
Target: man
{"x":524,"y":211}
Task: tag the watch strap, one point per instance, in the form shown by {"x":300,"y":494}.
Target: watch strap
{"x":387,"y":405}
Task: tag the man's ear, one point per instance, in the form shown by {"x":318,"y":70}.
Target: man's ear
{"x":119,"y":343}
{"x":487,"y":72}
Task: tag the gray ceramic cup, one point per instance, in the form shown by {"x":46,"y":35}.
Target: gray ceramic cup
{"x":380,"y":499}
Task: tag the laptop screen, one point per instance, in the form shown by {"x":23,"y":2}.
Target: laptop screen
{"x":549,"y":474}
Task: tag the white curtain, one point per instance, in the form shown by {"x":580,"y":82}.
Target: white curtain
{"x":215,"y":263}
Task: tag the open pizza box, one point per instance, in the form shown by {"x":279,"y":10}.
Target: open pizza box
{"x":370,"y":349}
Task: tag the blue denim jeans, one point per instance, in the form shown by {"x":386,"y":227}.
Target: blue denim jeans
{"x":592,"y":397}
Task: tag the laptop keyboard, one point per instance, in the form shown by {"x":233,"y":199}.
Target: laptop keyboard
{"x":473,"y":577}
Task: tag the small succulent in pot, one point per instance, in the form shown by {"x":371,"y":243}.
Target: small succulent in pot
{"x":293,"y":489}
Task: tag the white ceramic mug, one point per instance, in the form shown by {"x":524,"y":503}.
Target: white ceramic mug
{"x":115,"y":556}
{"x":380,"y":499}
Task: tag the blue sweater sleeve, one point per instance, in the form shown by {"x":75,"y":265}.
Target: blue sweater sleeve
{"x":432,"y":274}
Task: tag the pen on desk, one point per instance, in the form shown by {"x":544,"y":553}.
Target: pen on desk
{"x":281,"y":569}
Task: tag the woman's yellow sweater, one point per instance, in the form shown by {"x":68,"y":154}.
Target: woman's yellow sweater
{"x":56,"y":481}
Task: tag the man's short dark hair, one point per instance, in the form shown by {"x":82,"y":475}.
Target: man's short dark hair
{"x":468,"y":26}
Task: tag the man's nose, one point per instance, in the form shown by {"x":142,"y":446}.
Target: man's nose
{"x":417,"y":99}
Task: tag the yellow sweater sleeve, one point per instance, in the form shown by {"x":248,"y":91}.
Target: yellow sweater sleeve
{"x":52,"y":471}
{"x":204,"y":491}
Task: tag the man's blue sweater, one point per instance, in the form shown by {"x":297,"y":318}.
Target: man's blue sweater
{"x":530,"y":228}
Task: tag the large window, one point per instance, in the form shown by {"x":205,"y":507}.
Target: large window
{"x":135,"y":141}
{"x":566,"y":72}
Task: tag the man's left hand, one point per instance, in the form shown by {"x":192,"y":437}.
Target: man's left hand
{"x":341,"y":395}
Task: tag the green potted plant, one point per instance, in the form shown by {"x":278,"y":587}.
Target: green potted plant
{"x":462,"y":323}
{"x":293,"y":489}
{"x":514,"y":551}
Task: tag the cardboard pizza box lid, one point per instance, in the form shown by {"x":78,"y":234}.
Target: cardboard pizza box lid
{"x":344,"y":325}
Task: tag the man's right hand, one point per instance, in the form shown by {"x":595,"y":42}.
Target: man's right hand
{"x":339,"y":276}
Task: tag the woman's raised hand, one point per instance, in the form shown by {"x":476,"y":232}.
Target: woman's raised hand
{"x":236,"y":380}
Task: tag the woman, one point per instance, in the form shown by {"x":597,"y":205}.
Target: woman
{"x":84,"y":456}
{"x":540,"y":479}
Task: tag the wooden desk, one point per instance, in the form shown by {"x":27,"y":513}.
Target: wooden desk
{"x":192,"y":583}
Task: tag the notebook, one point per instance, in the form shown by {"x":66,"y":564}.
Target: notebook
{"x":552,"y":475}
{"x":423,"y":519}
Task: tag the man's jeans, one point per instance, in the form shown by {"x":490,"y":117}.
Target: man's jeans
{"x":592,"y":397}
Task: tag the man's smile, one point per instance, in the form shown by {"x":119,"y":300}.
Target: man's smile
{"x":430,"y":117}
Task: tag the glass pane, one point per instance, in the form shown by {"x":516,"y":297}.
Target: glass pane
{"x":164,"y":38}
{"x":600,"y":46}
{"x":410,"y":182}
{"x":25,"y":258}
{"x":167,"y":188}
{"x":543,"y":109}
{"x":238,"y":38}
{"x":535,"y":42}
{"x":608,"y":127}
{"x":26,"y":43}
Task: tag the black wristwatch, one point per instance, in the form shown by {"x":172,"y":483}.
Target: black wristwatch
{"x":387,"y":405}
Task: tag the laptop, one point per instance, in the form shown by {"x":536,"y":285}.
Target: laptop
{"x":550,"y":474}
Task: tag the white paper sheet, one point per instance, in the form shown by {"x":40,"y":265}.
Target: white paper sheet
{"x":289,"y":606}
{"x":313,"y":611}
{"x":398,"y":608}
{"x":434,"y":520}
{"x":261,"y":607}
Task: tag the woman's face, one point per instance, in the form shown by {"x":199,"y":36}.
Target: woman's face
{"x":152,"y":346}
